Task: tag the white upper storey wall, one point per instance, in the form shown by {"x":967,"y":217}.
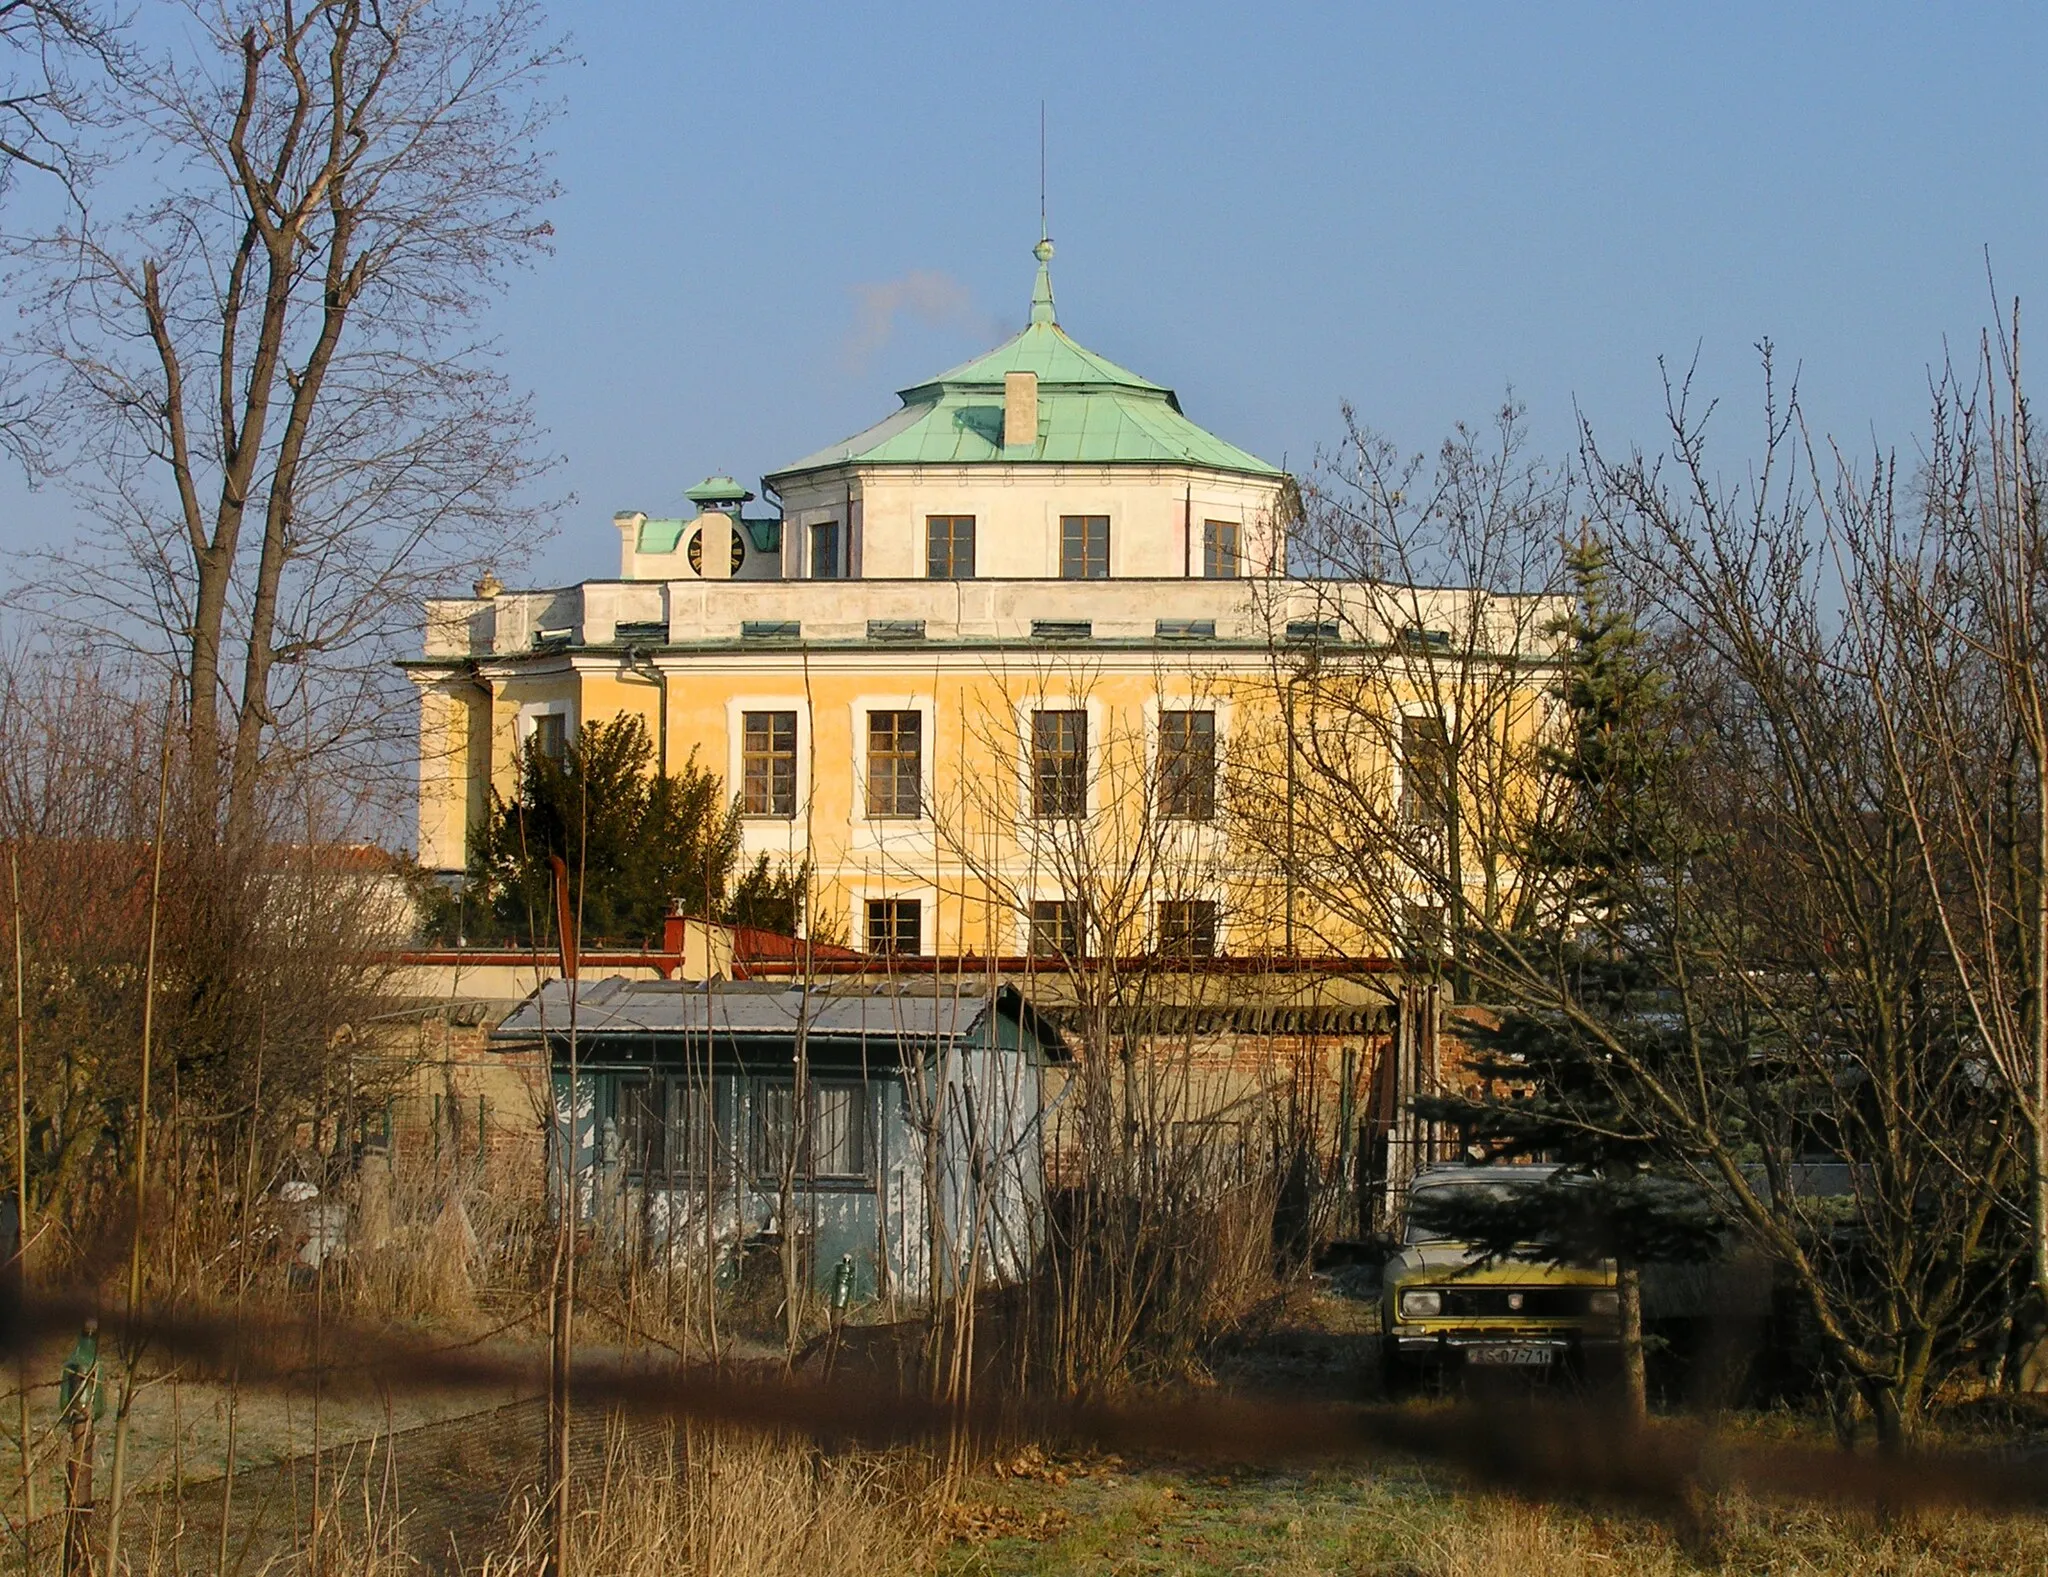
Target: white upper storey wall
{"x":1156,"y":516}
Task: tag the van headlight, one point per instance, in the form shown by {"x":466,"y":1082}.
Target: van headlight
{"x":1605,"y":1303}
{"x":1424,"y":1305}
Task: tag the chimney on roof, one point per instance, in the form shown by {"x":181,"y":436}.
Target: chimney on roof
{"x":1020,"y":410}
{"x":629,"y":522}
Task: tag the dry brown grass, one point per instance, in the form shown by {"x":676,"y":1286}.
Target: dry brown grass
{"x":688,"y":1501}
{"x":1487,"y":1537}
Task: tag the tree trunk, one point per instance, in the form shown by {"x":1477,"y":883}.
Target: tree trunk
{"x":1888,"y":1413}
{"x":2039,"y":1039}
{"x":1635,"y":1384}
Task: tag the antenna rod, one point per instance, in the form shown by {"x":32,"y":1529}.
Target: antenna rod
{"x":1043,"y":232}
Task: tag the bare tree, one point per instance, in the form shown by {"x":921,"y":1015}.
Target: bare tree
{"x":1095,"y":855}
{"x":1412,"y":703}
{"x":51,"y":52}
{"x":1786,"y":994}
{"x":1801,"y":955}
{"x":48,"y":52}
{"x":268,"y":1004}
{"x":273,"y":393}
{"x":1396,"y":781}
{"x":1949,"y":579}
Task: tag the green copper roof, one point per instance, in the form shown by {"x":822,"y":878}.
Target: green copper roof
{"x":660,"y":536}
{"x":1090,"y":411}
{"x":718,"y":490}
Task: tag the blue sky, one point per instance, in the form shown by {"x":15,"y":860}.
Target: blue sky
{"x":777,"y":215}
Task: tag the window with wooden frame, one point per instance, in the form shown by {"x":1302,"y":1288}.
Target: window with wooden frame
{"x":768,"y":764}
{"x":895,"y":927}
{"x":1187,"y":765}
{"x":1425,"y":769}
{"x":949,"y":547}
{"x":1057,"y":928}
{"x":1059,"y":763}
{"x":837,"y":1142}
{"x":895,"y":765}
{"x":1084,"y":547}
{"x":666,"y":1127}
{"x":825,"y":558}
{"x":550,"y":735}
{"x":1187,"y":928}
{"x":642,"y":1122}
{"x":1220,"y":540}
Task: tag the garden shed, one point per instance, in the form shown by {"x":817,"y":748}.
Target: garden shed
{"x":897,"y":1130}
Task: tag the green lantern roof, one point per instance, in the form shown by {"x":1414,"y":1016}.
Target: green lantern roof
{"x":718,"y":490}
{"x":1090,"y":411}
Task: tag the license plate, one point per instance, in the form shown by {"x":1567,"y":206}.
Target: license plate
{"x":1506,"y":1356}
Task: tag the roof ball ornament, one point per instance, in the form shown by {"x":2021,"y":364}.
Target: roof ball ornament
{"x":1041,"y":294}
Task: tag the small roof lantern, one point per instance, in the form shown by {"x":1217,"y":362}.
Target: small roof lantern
{"x":720,"y":493}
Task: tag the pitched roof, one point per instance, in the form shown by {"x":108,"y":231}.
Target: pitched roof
{"x":1090,"y":412}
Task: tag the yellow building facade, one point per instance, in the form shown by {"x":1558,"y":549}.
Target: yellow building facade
{"x":988,"y":667}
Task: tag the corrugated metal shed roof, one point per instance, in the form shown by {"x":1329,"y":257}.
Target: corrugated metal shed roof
{"x":923,"y":1010}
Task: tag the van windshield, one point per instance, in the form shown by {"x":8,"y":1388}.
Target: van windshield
{"x":1443,"y":1196}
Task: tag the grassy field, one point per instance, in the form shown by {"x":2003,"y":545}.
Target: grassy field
{"x":1044,"y":1517}
{"x":422,"y":1490}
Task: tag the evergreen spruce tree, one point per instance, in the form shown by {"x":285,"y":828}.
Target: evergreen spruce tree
{"x":635,"y":843}
{"x":1603,"y":863}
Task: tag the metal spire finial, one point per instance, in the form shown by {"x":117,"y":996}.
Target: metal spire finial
{"x":1041,"y":293}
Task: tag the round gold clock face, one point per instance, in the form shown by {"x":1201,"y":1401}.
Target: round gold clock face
{"x":696,"y":551}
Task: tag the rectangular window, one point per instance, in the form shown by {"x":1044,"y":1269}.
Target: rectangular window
{"x":1425,"y":769}
{"x":1219,"y":549}
{"x":1187,"y":766}
{"x":895,"y":764}
{"x":825,"y":551}
{"x":949,"y":547}
{"x":1059,"y":763}
{"x":768,"y":764}
{"x":839,"y":1130}
{"x":643,"y":1127}
{"x":838,"y":1141}
{"x":1056,"y":928}
{"x":1187,"y":928}
{"x":665,"y":1127}
{"x":895,"y":927}
{"x":1084,"y":547}
{"x":551,"y":734}
{"x":1422,"y":932}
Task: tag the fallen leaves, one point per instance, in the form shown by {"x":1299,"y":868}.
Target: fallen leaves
{"x":975,"y":1524}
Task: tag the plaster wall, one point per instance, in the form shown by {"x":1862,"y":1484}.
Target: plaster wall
{"x":1017,"y":511}
{"x":974,"y":858}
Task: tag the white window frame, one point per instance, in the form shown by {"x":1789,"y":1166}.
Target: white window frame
{"x":926,"y":895}
{"x":769,"y":834}
{"x":857,"y":723}
{"x":1202,"y":894}
{"x":1054,"y":701}
{"x":1226,"y":718}
{"x":1022,"y":916}
{"x":1398,"y":757}
{"x":531,"y":712}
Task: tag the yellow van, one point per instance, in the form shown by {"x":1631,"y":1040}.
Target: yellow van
{"x":1442,"y":1311}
